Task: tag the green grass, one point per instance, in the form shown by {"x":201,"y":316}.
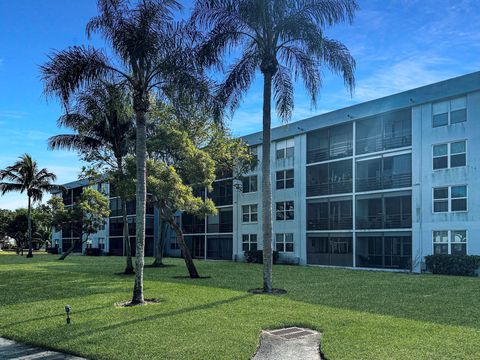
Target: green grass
{"x":362,"y":315}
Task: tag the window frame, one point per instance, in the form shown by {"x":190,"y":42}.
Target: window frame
{"x":284,"y":211}
{"x":284,"y":242}
{"x":283,"y":147}
{"x":449,"y":155}
{"x":249,"y":214}
{"x":250,"y":177}
{"x":284,"y":180}
{"x":449,"y":199}
{"x":449,"y":242}
{"x":449,"y":111}
{"x":249,"y":241}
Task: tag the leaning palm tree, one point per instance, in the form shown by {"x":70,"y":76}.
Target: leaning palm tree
{"x":285,"y":40}
{"x":104,"y":134}
{"x":150,"y":52}
{"x":24,"y":176}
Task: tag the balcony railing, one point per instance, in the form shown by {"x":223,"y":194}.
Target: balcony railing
{"x":193,"y":228}
{"x":220,"y":228}
{"x":389,"y":221}
{"x":385,"y":182}
{"x":221,"y":200}
{"x":336,"y":151}
{"x":339,"y":187}
{"x":332,"y":223}
{"x":379,"y":143}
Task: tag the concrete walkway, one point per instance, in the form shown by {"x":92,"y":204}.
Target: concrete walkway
{"x":289,"y":344}
{"x":12,"y":350}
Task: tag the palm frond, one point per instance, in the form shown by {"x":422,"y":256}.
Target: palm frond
{"x":73,"y":142}
{"x":283,"y":93}
{"x":68,"y":70}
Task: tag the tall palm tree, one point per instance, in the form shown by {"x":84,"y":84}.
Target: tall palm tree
{"x":285,"y":40}
{"x":24,"y":176}
{"x":150,"y":52}
{"x":102,"y":120}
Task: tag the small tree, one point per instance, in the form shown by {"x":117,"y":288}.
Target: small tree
{"x":18,"y":228}
{"x":86,"y":216}
{"x":171,"y":194}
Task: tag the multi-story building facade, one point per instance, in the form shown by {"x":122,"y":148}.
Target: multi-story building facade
{"x":109,"y":239}
{"x":380,"y":184}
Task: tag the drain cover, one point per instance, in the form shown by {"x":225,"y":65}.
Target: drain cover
{"x":291,"y":333}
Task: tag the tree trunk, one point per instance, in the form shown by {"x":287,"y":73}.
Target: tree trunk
{"x":160,"y":243}
{"x":69,"y":251}
{"x":267,"y":185}
{"x":30,"y":245}
{"x":192,"y":270}
{"x":126,"y":238}
{"x":141,"y":199}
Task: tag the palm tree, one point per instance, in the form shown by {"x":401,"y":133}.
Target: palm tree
{"x":280,"y":38}
{"x":150,"y":52}
{"x":104,"y":135}
{"x":24,"y":176}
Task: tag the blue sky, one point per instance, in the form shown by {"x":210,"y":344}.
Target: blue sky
{"x":398,"y":45}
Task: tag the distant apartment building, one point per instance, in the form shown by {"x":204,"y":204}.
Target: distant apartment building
{"x":110,"y":238}
{"x":379,"y":185}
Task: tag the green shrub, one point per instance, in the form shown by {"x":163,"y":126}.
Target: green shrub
{"x":463,"y":265}
{"x":256,"y":256}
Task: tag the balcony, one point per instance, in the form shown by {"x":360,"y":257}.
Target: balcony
{"x":339,"y":187}
{"x":335,"y":151}
{"x":343,"y":223}
{"x":385,"y":182}
{"x":219,"y":228}
{"x":221,"y":200}
{"x":193,"y":228}
{"x":389,"y":221}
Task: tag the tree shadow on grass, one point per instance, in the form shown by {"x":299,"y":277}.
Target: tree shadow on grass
{"x":163,"y":315}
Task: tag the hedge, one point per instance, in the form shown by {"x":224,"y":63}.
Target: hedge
{"x":256,"y":256}
{"x":462,"y":265}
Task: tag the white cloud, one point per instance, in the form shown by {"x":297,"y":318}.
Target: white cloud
{"x":405,"y":74}
{"x":12,"y":114}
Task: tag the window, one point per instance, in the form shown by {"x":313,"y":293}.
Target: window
{"x":253,"y":150}
{"x":285,"y":149}
{"x":449,"y":112}
{"x":450,"y":242}
{"x":458,"y":195}
{"x":250,"y":213}
{"x":458,"y":154}
{"x":449,"y":155}
{"x":440,"y":199}
{"x":453,"y":198}
{"x":249,"y":184}
{"x":285,"y":179}
{"x":285,"y":210}
{"x":284,"y":242}
{"x":249,"y":242}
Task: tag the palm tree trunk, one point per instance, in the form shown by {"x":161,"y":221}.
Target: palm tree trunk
{"x":160,"y":243}
{"x":267,"y":185}
{"x":141,"y":199}
{"x":192,"y":270}
{"x":30,"y":245}
{"x":126,"y":238}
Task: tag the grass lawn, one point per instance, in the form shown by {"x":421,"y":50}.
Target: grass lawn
{"x":362,"y":315}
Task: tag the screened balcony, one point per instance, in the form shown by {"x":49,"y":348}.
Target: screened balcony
{"x":384,"y":131}
{"x":384,"y":173}
{"x":222,"y":193}
{"x":329,"y":215}
{"x":331,"y":143}
{"x":222,"y":222}
{"x":331,"y":178}
{"x":384,"y":212}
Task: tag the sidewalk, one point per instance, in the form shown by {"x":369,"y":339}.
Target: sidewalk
{"x":12,"y":350}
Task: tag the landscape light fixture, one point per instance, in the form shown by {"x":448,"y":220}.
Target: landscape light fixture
{"x":67,"y":310}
